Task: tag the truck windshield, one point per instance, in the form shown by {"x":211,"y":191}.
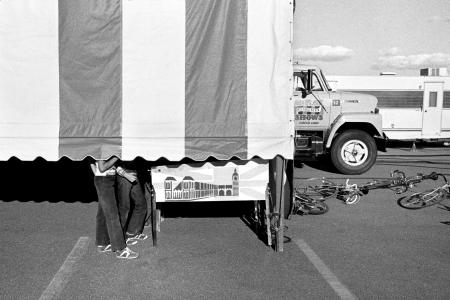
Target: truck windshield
{"x":325,"y":80}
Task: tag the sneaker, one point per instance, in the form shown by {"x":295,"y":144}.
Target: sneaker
{"x":138,"y":237}
{"x":103,"y":249}
{"x":127,"y":253}
{"x":131,"y":242}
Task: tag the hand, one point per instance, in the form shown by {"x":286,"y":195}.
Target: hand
{"x":104,"y":165}
{"x":130,"y":176}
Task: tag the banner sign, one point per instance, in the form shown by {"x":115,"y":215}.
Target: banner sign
{"x":217,"y":181}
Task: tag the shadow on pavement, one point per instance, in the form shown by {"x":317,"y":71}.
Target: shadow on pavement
{"x":418,"y":164}
{"x":41,"y":180}
{"x":205,"y":209}
{"x":321,"y":165}
{"x":420,"y":144}
{"x":444,"y":207}
{"x":72,"y":181}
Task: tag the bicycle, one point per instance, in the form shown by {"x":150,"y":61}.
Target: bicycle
{"x":305,"y":204}
{"x":399,"y":182}
{"x":350,"y":193}
{"x":426,"y":198}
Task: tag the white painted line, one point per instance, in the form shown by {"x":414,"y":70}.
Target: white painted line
{"x":326,"y":273}
{"x":62,"y":276}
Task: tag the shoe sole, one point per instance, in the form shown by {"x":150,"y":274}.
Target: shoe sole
{"x":131,"y":242}
{"x":129,"y":257}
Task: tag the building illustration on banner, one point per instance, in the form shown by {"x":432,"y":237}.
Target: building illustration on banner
{"x":190,"y":189}
{"x":211,"y":181}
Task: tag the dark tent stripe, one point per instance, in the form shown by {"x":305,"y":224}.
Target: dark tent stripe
{"x":216,"y":79}
{"x":90,"y":80}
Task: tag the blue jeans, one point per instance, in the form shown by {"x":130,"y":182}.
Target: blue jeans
{"x":132,"y":223}
{"x":108,"y":229}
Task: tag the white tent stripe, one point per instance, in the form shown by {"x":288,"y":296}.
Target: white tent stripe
{"x":29,"y":94}
{"x":153,"y":79}
{"x":268,"y":93}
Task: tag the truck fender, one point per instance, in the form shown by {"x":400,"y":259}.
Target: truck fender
{"x":371,"y":119}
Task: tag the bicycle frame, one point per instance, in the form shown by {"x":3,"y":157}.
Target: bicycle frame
{"x":351,"y":193}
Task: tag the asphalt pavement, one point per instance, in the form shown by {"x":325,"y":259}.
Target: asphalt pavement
{"x":373,"y":249}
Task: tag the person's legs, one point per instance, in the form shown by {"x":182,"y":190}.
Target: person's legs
{"x":137,"y":218}
{"x":123,"y":200}
{"x":107,"y":201}
{"x":101,"y":232}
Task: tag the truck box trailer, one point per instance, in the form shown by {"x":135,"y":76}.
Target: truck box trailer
{"x":413,"y":107}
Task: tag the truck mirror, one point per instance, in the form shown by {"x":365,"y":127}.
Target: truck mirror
{"x":309,"y":82}
{"x":304,"y":92}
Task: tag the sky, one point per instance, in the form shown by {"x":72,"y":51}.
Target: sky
{"x":366,"y":37}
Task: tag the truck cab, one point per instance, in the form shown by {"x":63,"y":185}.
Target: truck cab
{"x":344,"y":126}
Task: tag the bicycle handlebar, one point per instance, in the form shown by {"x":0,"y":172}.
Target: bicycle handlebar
{"x":408,"y":182}
{"x":432,"y":175}
{"x":395,"y":172}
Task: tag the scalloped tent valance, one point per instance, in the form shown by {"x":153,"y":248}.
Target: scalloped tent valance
{"x":160,"y":78}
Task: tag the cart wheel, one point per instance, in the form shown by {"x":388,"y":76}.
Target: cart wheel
{"x":259,"y":218}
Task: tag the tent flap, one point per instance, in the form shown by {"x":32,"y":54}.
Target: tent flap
{"x":160,"y":78}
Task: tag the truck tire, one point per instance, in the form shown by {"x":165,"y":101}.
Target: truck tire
{"x":353,"y":152}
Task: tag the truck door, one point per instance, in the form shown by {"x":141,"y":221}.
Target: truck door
{"x":432,"y":109}
{"x":313,"y":111}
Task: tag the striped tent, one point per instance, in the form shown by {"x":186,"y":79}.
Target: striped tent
{"x":149,"y":78}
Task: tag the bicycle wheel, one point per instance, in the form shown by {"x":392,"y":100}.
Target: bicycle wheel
{"x":305,"y":205}
{"x":321,"y":191}
{"x":318,"y":208}
{"x":423,"y":199}
{"x":325,"y":192}
{"x":352,"y":198}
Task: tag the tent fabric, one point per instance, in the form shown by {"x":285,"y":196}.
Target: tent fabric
{"x":149,"y":78}
{"x":90,"y":83}
{"x":216,"y":73}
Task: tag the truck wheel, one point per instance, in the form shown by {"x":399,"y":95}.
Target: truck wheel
{"x":353,"y":152}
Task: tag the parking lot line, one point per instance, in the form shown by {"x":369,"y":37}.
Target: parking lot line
{"x":62,"y":276}
{"x":326,"y":273}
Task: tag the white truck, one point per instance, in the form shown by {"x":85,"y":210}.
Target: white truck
{"x":413,"y":107}
{"x":346,"y":126}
